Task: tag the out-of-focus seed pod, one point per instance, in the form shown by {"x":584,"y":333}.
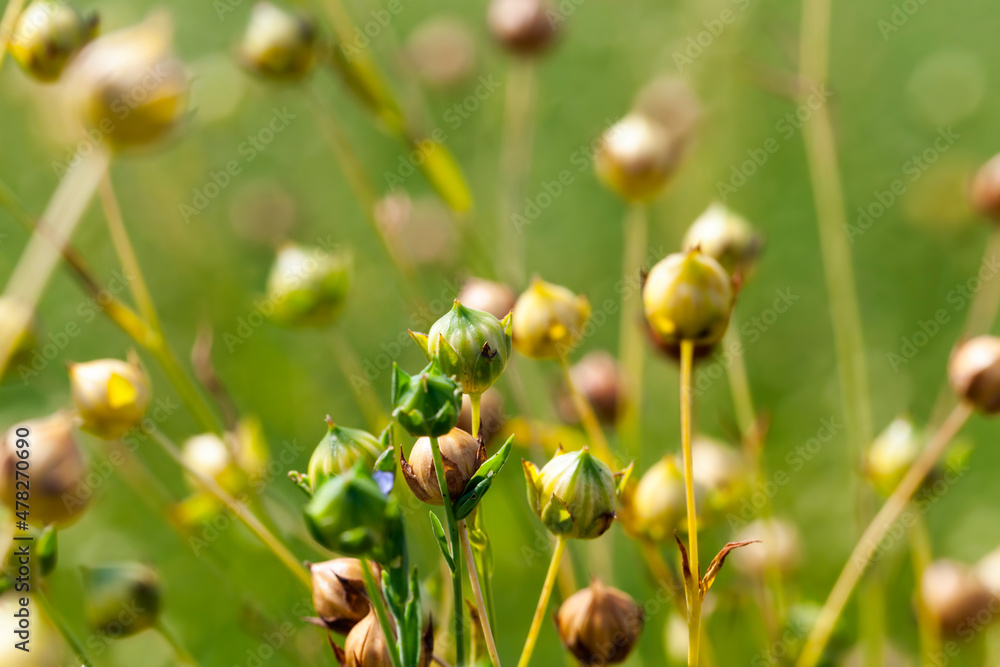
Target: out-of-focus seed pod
{"x":726,"y":237}
{"x":26,"y":340}
{"x":58,"y":469}
{"x":422,"y":228}
{"x":442,"y":50}
{"x":974,"y":371}
{"x":45,"y":643}
{"x":985,"y":193}
{"x":491,"y":414}
{"x":495,"y":298}
{"x":339,"y":593}
{"x":722,"y":472}
{"x":279,"y":43}
{"x":599,"y":624}
{"x":670,"y":101}
{"x":779,"y":547}
{"x":471,"y":345}
{"x":339,"y":450}
{"x":307,"y":287}
{"x":988,"y":570}
{"x":636,"y":157}
{"x":121,"y":599}
{"x":461,"y":454}
{"x":548,"y":320}
{"x":955,"y":596}
{"x":128,"y":86}
{"x":574,"y":494}
{"x":427,"y":403}
{"x":688,"y":296}
{"x":365,"y":645}
{"x":213,"y":457}
{"x":892,"y":453}
{"x":522,"y":26}
{"x":656,"y":507}
{"x":111,"y":396}
{"x":599,"y":377}
{"x":47,"y":34}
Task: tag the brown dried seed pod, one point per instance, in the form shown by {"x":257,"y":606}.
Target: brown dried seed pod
{"x":339,"y":593}
{"x":365,"y":645}
{"x":522,"y":26}
{"x":956,"y":596}
{"x":461,"y":454}
{"x":495,"y":298}
{"x":599,"y":377}
{"x":599,"y":625}
{"x":974,"y":372}
{"x":985,"y":191}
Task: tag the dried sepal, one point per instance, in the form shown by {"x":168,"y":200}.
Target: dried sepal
{"x":716,"y":565}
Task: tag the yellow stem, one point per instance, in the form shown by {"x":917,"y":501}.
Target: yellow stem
{"x":863,"y":551}
{"x":477,"y":591}
{"x":474,"y":401}
{"x":543,"y":603}
{"x":739,"y":383}
{"x":586,"y":414}
{"x":693,"y":585}
{"x":294,"y":565}
{"x":631,"y":345}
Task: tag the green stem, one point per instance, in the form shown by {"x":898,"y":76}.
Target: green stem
{"x":866,"y":547}
{"x":631,"y":345}
{"x":543,"y":603}
{"x":375,"y":596}
{"x":586,"y":414}
{"x":456,"y":554}
{"x":515,"y":165}
{"x":474,"y":401}
{"x":294,"y":565}
{"x":62,"y":627}
{"x":739,"y":383}
{"x":179,"y":650}
{"x":484,"y":616}
{"x":692,"y":585}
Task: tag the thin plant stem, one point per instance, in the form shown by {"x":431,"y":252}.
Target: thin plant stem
{"x":866,"y":547}
{"x":34,"y":268}
{"x":456,"y":554}
{"x":631,"y":346}
{"x":484,"y":616}
{"x":586,"y":414}
{"x":543,"y":603}
{"x":692,"y":585}
{"x":62,"y":627}
{"x":268,"y":539}
{"x":475,"y":400}
{"x":7,"y":23}
{"x":921,"y":556}
{"x":156,"y":342}
{"x":515,"y":164}
{"x":182,"y":653}
{"x":739,"y":383}
{"x":375,"y":596}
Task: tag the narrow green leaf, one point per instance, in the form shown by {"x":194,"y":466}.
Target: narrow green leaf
{"x":442,"y":541}
{"x":481,"y":482}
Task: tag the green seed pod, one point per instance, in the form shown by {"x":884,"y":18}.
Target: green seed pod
{"x":426,"y":404}
{"x":47,"y":34}
{"x":974,"y":371}
{"x":339,"y":593}
{"x":338,"y":451}
{"x":279,"y":43}
{"x":111,"y":396}
{"x":350,"y":514}
{"x":725,"y":237}
{"x":121,"y":599}
{"x":636,"y":157}
{"x":471,"y":345}
{"x":548,"y":320}
{"x":307,"y":286}
{"x":600,"y":625}
{"x":58,"y":469}
{"x":892,"y":453}
{"x":574,"y":494}
{"x":688,"y":296}
{"x":128,"y":87}
{"x":461,"y":454}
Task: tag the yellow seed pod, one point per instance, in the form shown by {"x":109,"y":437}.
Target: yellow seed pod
{"x":111,"y":396}
{"x":47,"y":34}
{"x":548,"y":320}
{"x":688,"y":296}
{"x":279,"y":43}
{"x":726,"y":237}
{"x":636,"y":157}
{"x":212,"y":457}
{"x":127,"y":86}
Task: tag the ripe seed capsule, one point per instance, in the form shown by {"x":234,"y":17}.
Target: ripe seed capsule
{"x":636,"y":157}
{"x":339,"y":593}
{"x":522,"y":26}
{"x":726,"y":237}
{"x":688,"y":296}
{"x":974,"y":372}
{"x":461,"y":455}
{"x":599,"y":625}
{"x":548,"y":320}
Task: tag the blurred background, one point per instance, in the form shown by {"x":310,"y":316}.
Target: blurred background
{"x":893,"y":92}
